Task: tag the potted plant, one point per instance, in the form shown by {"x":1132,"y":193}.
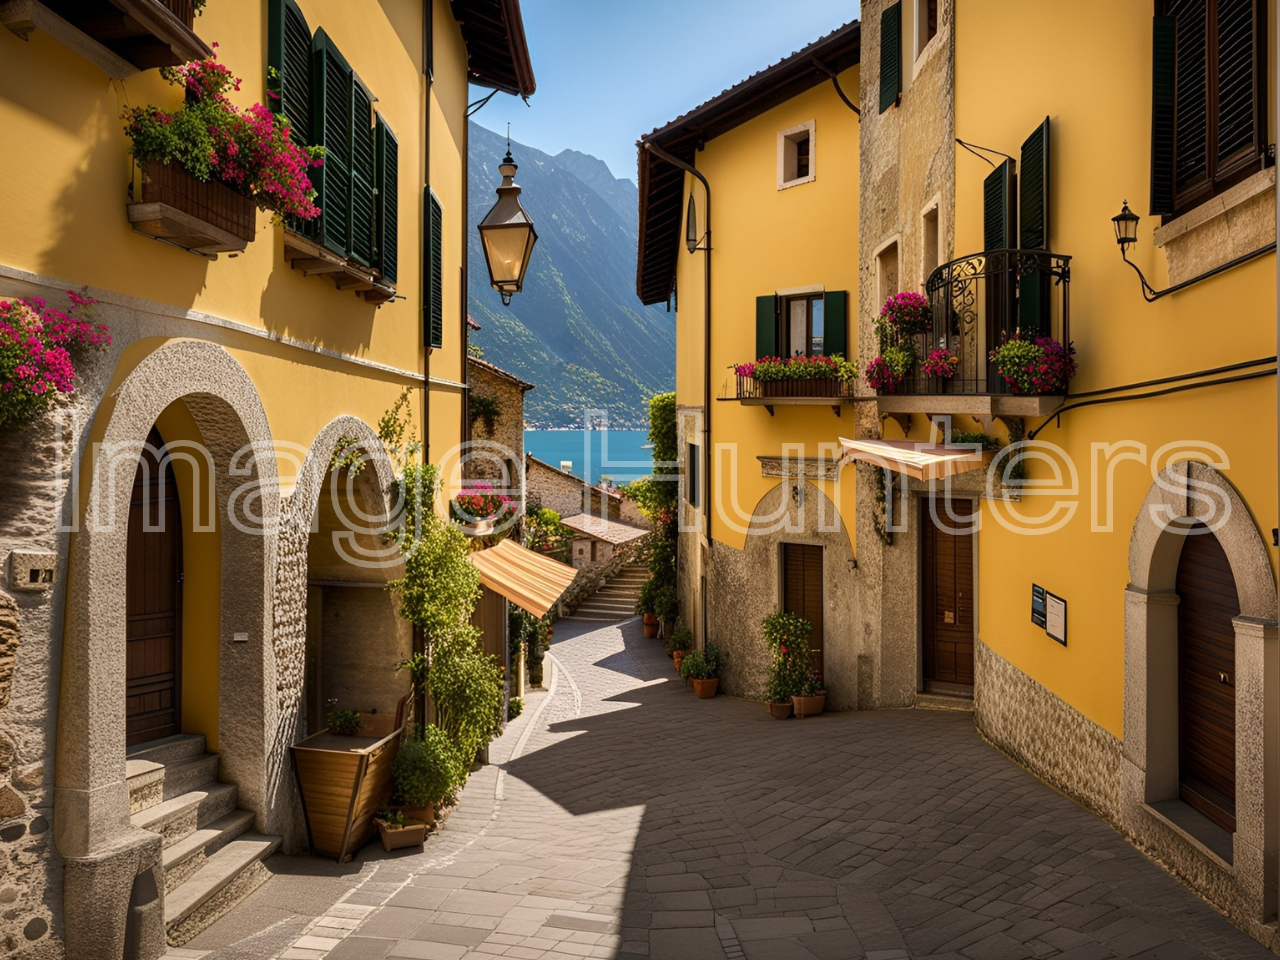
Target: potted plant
{"x":886,"y":372}
{"x":905,"y":314}
{"x":479,"y":508}
{"x":425,"y":773}
{"x":787,"y":636}
{"x":398,"y":831}
{"x":679,"y":644}
{"x":940,"y":368}
{"x":212,"y":162}
{"x":345,"y":723}
{"x":666,"y":604}
{"x":644,"y":606}
{"x":810,"y":697}
{"x":1039,"y":366}
{"x":703,"y":668}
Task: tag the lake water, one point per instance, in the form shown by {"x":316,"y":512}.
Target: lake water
{"x":618,"y":454}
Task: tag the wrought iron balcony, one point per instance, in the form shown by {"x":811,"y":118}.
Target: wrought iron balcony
{"x":977,"y":302}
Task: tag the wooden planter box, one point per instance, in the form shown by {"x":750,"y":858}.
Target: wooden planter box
{"x":817,"y":387}
{"x":205,"y":218}
{"x":343,"y":782}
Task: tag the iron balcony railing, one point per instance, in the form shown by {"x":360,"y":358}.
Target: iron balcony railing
{"x":978,"y":302}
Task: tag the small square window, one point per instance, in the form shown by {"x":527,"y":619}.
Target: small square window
{"x":796,"y":160}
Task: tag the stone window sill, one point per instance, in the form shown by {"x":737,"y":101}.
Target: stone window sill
{"x":1228,"y":226}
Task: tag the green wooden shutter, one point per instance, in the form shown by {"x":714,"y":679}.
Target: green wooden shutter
{"x":388,"y":201}
{"x":766,"y":327}
{"x":435,"y":269}
{"x":363,"y":175}
{"x":890,"y":56}
{"x":1033,"y":190}
{"x":1033,"y":231}
{"x":1164,"y":72}
{"x":289,"y":54}
{"x":331,"y":123}
{"x":998,"y":212}
{"x":835,"y":312}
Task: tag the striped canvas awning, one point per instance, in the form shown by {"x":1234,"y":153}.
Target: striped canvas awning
{"x":923,"y":461}
{"x":528,"y":579}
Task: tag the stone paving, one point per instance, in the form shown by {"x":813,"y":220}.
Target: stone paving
{"x":623,"y":818}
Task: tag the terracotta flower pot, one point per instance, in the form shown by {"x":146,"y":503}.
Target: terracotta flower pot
{"x":809,"y":706}
{"x":706,"y":689}
{"x":779,"y":711}
{"x":650,"y":625}
{"x":412,"y":834}
{"x":677,"y":656}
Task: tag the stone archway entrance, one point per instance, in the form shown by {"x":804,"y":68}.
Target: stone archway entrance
{"x":1200,"y":775}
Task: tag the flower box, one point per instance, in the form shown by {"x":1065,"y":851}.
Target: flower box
{"x":412,"y":834}
{"x":817,"y":387}
{"x":206,"y":217}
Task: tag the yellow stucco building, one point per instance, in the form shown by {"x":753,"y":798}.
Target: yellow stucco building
{"x":162,"y":671}
{"x":1103,"y":594}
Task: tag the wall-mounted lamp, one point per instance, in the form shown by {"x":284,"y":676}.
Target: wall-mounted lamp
{"x":692,"y":239}
{"x":1126,"y":226}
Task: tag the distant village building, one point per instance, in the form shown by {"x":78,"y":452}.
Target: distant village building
{"x":495,"y":409}
{"x":555,"y":489}
{"x":596,"y":540}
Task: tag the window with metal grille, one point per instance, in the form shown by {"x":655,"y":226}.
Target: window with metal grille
{"x":1208,"y":129}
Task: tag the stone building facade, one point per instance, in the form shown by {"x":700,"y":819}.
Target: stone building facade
{"x":495,"y":411}
{"x":555,"y":489}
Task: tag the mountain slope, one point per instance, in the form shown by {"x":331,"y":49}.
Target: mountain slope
{"x":577,"y":330}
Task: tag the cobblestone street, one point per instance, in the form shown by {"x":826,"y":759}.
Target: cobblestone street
{"x":622,"y":817}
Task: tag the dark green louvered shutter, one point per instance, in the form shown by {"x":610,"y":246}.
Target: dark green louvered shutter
{"x":289,"y":55}
{"x":364,"y":174}
{"x":766,"y":327}
{"x":332,"y":83}
{"x":1033,"y":190}
{"x":435,"y":269}
{"x":998,"y":214}
{"x":388,"y":201}
{"x":890,"y":56}
{"x":835,"y":312}
{"x":1164,"y":72}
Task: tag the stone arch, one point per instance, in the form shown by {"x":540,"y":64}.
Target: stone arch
{"x":1185,"y":493}
{"x":300,"y":517}
{"x":746,"y":588}
{"x":91,"y":801}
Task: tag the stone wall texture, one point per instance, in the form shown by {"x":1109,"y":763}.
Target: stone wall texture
{"x":569,"y":496}
{"x":506,"y":440}
{"x":1045,"y":734}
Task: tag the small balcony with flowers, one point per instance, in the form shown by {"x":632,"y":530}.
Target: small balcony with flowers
{"x":801,"y":380}
{"x":990,"y":340}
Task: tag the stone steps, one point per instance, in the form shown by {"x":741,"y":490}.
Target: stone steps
{"x":226,"y":878}
{"x":211,"y":860}
{"x":939,"y":701}
{"x":184,"y":857}
{"x":616,"y":598}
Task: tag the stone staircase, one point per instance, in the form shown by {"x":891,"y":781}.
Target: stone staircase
{"x":211,"y":859}
{"x":617,"y":597}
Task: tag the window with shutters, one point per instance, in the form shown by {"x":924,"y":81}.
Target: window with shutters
{"x":1208,"y":129}
{"x":890,"y":56}
{"x":802,"y":329}
{"x":435,"y":270}
{"x":796,"y":161}
{"x":354,"y":240}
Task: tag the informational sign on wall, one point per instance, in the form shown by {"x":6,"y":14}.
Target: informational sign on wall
{"x":1038,"y":612}
{"x":1056,"y":618}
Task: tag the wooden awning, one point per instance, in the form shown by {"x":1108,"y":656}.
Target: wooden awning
{"x":923,"y":461}
{"x":527,"y":579}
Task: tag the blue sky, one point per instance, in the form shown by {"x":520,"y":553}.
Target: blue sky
{"x":609,"y":70}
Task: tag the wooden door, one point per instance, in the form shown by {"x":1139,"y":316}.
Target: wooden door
{"x":948,"y":597}
{"x":802,"y":591}
{"x":1206,"y":679}
{"x":153,"y":608}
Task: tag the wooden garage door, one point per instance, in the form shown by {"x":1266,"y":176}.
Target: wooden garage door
{"x":802,"y":590}
{"x":1206,"y":679}
{"x":153,"y":587}
{"x":948,"y":598}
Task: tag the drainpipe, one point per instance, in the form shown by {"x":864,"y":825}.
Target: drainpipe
{"x":428,"y":11}
{"x":707,"y":458}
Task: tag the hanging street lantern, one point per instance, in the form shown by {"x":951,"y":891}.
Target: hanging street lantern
{"x":507,"y":235}
{"x":1126,"y":224}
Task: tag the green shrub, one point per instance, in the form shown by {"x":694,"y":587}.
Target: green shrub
{"x":428,"y":769}
{"x":515,"y":707}
{"x":788,"y":638}
{"x":343,"y":722}
{"x":701,"y":664}
{"x":681,"y":639}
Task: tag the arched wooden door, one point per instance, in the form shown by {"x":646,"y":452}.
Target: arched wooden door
{"x":1206,"y":679}
{"x":153,"y":586}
